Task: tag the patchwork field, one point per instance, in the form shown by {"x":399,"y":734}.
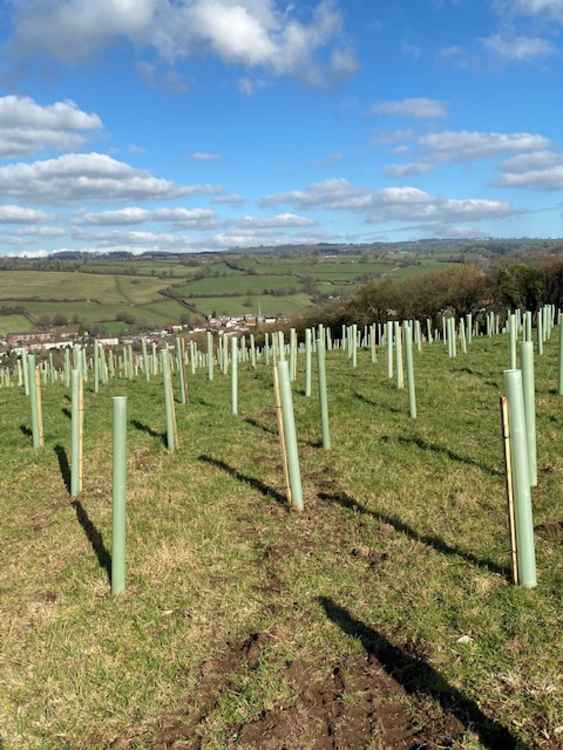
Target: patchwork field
{"x":382,"y":616}
{"x":232,"y":286}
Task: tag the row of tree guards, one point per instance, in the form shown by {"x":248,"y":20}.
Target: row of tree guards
{"x":399,"y":339}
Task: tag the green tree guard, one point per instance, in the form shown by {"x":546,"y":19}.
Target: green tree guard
{"x":308,"y":363}
{"x":119,"y":495}
{"x":168,"y":401}
{"x":528,"y":383}
{"x":290,"y":433}
{"x":234,"y":376}
{"x":181,"y":372}
{"x":399,"y":356}
{"x":389,"y":342}
{"x":410,"y":370}
{"x":521,"y":479}
{"x":210,"y":355}
{"x":76,"y":435}
{"x":323,"y":395}
{"x":34,"y":401}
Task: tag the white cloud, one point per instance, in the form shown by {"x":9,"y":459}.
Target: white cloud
{"x":196,"y":217}
{"x":463,"y":144}
{"x":389,"y":137}
{"x":344,"y":61}
{"x":420,"y":107}
{"x":249,"y":86}
{"x":75,"y":177}
{"x":205,"y":156}
{"x":137,"y":150}
{"x":26,"y":127}
{"x":280,"y":221}
{"x":400,"y":149}
{"x":388,"y":204}
{"x":249,"y":32}
{"x":541,"y":170}
{"x":20,"y":215}
{"x":402,"y":170}
{"x":228,"y":199}
{"x":156,"y":78}
{"x":518,"y":48}
{"x":535,"y":7}
{"x":121,"y":237}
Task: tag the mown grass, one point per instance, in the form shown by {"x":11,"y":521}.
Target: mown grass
{"x":214,"y":556}
{"x":14,"y":323}
{"x":269,"y":304}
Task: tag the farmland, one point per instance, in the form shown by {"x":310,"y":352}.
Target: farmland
{"x":155,"y":293}
{"x":382,"y":614}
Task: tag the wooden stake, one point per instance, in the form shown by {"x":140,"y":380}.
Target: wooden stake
{"x":281,"y":433}
{"x":505,"y":430}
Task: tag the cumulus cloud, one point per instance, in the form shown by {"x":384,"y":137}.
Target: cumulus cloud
{"x":403,"y":170}
{"x":205,"y":156}
{"x":20,"y":215}
{"x":344,"y":61}
{"x":248,"y":32}
{"x":228,"y":199}
{"x":387,"y":204}
{"x":418,"y":107}
{"x":26,"y":127}
{"x":196,"y":217}
{"x":75,"y":177}
{"x":464,"y":144}
{"x":518,"y":48}
{"x":540,"y":170}
{"x":280,"y":221}
{"x":553,"y":8}
{"x":389,"y":137}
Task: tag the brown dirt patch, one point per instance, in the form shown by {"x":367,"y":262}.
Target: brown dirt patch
{"x":353,"y":706}
{"x":216,"y":676}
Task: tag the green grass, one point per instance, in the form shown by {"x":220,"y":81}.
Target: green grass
{"x":14,"y":324}
{"x":235,"y":284}
{"x":269,"y":304}
{"x":403,"y":541}
{"x":60,"y":286}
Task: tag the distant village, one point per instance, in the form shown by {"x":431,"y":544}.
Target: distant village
{"x":61,"y":337}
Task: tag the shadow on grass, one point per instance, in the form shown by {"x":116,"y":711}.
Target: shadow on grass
{"x":435,"y":448}
{"x":64,"y":466}
{"x":26,"y":431}
{"x":149,"y":430}
{"x":94,"y":537}
{"x":345,"y":501}
{"x":264,"y":489}
{"x":274,"y":433}
{"x":368,"y":401}
{"x":416,"y":677}
{"x":254,"y":423}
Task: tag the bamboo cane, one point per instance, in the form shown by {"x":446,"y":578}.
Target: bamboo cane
{"x":505,"y":430}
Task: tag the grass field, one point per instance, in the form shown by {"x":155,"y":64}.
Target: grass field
{"x":237,"y":284}
{"x":14,"y":323}
{"x":269,"y":304}
{"x":380,"y":617}
{"x":102,"y":296}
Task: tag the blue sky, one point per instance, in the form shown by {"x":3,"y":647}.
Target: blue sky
{"x":206,"y":124}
